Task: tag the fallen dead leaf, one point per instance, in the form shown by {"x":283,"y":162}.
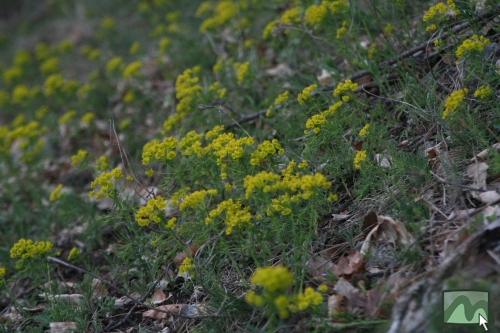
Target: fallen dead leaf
{"x":325,"y":78}
{"x":319,"y":267}
{"x":63,"y":327}
{"x":489,"y":197}
{"x":158,"y":297}
{"x":350,"y":264}
{"x":336,"y":305}
{"x":389,"y":231}
{"x":280,"y":70}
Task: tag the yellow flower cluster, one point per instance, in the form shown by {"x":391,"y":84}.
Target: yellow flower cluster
{"x":28,"y":249}
{"x":359,"y":158}
{"x":195,"y":199}
{"x":73,"y":253}
{"x":132,"y":69}
{"x":187,"y":266}
{"x":225,"y":146}
{"x":114,"y":64}
{"x":187,"y":91}
{"x":56,"y":193}
{"x":152,"y":212}
{"x":363,"y":133}
{"x":78,"y":158}
{"x":345,"y":89}
{"x":438,"y":13}
{"x":273,"y":279}
{"x":156,"y":150}
{"x":223,"y":12}
{"x":316,"y":14}
{"x":275,"y":282}
{"x":483,"y":92}
{"x":278,"y":102}
{"x":342,"y":31}
{"x":104,"y":185}
{"x":291,"y":16}
{"x":236,"y":216}
{"x":242,"y":71}
{"x":306,"y":93}
{"x":315,"y":122}
{"x":102,"y":163}
{"x":288,"y":188}
{"x":67,"y":117}
{"x":50,"y":66}
{"x":191,"y":144}
{"x":21,"y":94}
{"x":265,"y":150}
{"x":3,"y":272}
{"x":473,"y":44}
{"x":453,"y":102}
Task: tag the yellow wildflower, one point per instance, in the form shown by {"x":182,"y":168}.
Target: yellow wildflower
{"x":152,"y":212}
{"x":242,"y":71}
{"x":342,"y":31}
{"x":187,"y":266}
{"x":114,"y":64}
{"x":273,"y":278}
{"x":265,"y":150}
{"x":236,"y":215}
{"x":359,"y":158}
{"x":306,"y":93}
{"x":363,"y":133}
{"x":3,"y":272}
{"x":156,"y":150}
{"x":195,"y":199}
{"x":279,"y":101}
{"x":132,"y":69}
{"x":104,"y":185}
{"x":21,"y":94}
{"x":73,"y":253}
{"x":171,"y":223}
{"x":28,"y":249}
{"x":282,"y":304}
{"x":338,"y":6}
{"x":315,"y":122}
{"x":108,"y":23}
{"x":307,"y":299}
{"x":453,"y":102}
{"x":269,"y":29}
{"x":164,"y":44}
{"x":316,"y":14}
{"x":345,"y":89}
{"x":67,"y":117}
{"x":56,"y":193}
{"x":291,"y":16}
{"x":224,"y":11}
{"x":134,"y":48}
{"x":79,"y":157}
{"x":88,"y":118}
{"x":473,"y":44}
{"x":102,"y":163}
{"x":483,"y":92}
{"x":252,"y":298}
{"x":49,"y":66}
{"x":190,"y":144}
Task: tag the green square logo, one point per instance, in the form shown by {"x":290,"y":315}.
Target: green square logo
{"x":465,"y":307}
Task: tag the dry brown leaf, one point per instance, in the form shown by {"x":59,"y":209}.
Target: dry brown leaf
{"x":383,"y":161}
{"x":63,"y":327}
{"x":386,"y":231}
{"x":489,"y":197}
{"x":319,"y":267}
{"x":325,"y":78}
{"x":280,"y":70}
{"x":350,"y":264}
{"x":158,"y":297}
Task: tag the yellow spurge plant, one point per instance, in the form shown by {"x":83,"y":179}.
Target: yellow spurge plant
{"x":104,"y":185}
{"x":316,"y":14}
{"x":242,"y":71}
{"x":159,"y":151}
{"x":56,"y":193}
{"x":187,"y":266}
{"x":28,"y":249}
{"x":474,"y":44}
{"x":453,"y":102}
{"x":306,"y":94}
{"x":191,"y":144}
{"x":132,"y":69}
{"x":278,"y":102}
{"x":315,"y":122}
{"x":273,"y":284}
{"x":152,"y":213}
{"x":483,"y":92}
{"x":222,"y":13}
{"x":291,"y":16}
{"x":195,"y":199}
{"x":359,"y":158}
{"x":236,"y":215}
{"x":363,"y":132}
{"x":265,"y":150}
{"x":438,"y":13}
{"x":345,"y":89}
{"x":78,"y":158}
